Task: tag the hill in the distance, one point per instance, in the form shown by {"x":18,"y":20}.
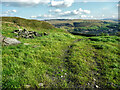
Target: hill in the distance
{"x":87,"y":27}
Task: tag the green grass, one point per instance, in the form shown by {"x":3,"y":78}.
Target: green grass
{"x":31,"y":64}
{"x":99,"y":60}
{"x":59,"y":60}
{"x":35,"y":24}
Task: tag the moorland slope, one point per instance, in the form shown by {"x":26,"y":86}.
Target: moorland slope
{"x":58,"y":59}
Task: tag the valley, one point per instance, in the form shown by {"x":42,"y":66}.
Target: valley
{"x":87,"y":27}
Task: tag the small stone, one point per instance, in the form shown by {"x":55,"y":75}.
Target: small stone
{"x":31,"y":36}
{"x":20,"y":29}
{"x":19,"y":33}
{"x":40,"y":84}
{"x":61,"y":76}
{"x":27,"y":86}
{"x":26,"y":44}
{"x":16,"y":32}
{"x":35,"y":33}
{"x":31,"y":32}
{"x":62,"y":70}
{"x":24,"y":30}
{"x":96,"y":86}
{"x":97,"y":73}
{"x":94,"y":79}
{"x":45,"y":33}
{"x":88,"y":83}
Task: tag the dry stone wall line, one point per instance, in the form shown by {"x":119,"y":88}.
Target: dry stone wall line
{"x":28,"y":34}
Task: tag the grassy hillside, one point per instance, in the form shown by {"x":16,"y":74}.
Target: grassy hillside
{"x":35,"y":24}
{"x":59,"y":59}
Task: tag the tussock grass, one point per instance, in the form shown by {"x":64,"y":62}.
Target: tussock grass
{"x":59,"y":59}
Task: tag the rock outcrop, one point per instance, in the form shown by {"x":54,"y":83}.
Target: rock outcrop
{"x":27,"y":34}
{"x":8,"y":41}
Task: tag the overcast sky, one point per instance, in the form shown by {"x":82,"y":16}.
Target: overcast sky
{"x":61,"y":9}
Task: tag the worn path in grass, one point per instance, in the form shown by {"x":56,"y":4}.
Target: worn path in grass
{"x":57,"y":77}
{"x":67,"y":54}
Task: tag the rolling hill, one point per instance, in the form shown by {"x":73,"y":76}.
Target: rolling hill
{"x":87,"y":27}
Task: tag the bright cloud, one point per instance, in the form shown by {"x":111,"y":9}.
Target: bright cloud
{"x":75,"y":12}
{"x":43,"y":16}
{"x":19,"y":3}
{"x":91,"y":16}
{"x":85,"y":1}
{"x":10,"y":11}
{"x":83,"y":16}
{"x":56,"y":10}
{"x":66,"y":13}
{"x":14,"y":11}
{"x":28,"y":1}
{"x":86,"y":11}
{"x":113,"y":16}
{"x":103,"y":15}
{"x":64,"y":3}
{"x":33,"y":17}
{"x":97,"y":0}
{"x":118,"y":5}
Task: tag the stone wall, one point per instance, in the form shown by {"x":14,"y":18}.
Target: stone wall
{"x":28,"y":34}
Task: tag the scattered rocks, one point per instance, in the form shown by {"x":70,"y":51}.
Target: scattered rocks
{"x":28,"y":34}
